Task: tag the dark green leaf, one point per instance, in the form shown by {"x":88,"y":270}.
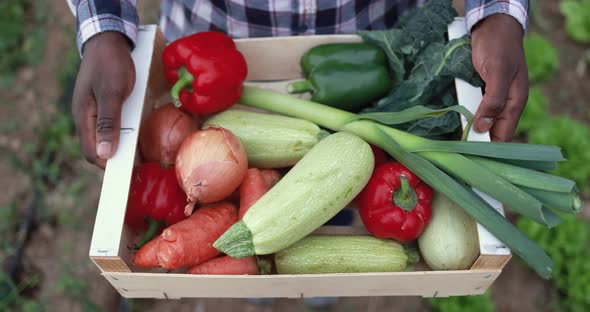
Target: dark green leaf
{"x":392,"y":42}
{"x":435,"y":69}
{"x":415,"y":31}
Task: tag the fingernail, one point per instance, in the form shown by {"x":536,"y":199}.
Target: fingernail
{"x":484,"y":124}
{"x":104,"y":149}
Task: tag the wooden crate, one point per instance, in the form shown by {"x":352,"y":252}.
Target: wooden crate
{"x":271,"y":62}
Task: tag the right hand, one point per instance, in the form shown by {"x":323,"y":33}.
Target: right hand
{"x":105,"y":80}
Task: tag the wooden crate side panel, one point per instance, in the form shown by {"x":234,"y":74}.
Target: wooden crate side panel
{"x":108,"y":227}
{"x":487,"y":262}
{"x":110,"y":264}
{"x":470,"y":97}
{"x":425,"y":284}
{"x":278,"y":58}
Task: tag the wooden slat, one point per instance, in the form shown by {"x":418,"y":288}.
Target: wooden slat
{"x":425,"y":284}
{"x":470,"y":97}
{"x":108,"y":227}
{"x":486,"y":262}
{"x":110,"y":264}
{"x":277,"y":58}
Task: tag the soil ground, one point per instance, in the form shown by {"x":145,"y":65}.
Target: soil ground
{"x":57,"y":251}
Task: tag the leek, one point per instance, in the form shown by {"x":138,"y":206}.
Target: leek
{"x":422,"y":156}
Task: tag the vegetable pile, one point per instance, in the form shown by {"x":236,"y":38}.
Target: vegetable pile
{"x":257,"y":185}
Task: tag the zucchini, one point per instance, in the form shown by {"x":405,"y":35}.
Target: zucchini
{"x":326,"y":179}
{"x":317,"y":254}
{"x":450,"y":240}
{"x":271,"y":141}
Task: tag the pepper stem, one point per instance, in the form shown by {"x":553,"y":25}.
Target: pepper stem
{"x":300,"y":86}
{"x":405,"y":197}
{"x":185,"y":78}
{"x":153,"y":227}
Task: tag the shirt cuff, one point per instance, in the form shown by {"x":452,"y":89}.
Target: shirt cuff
{"x":516,"y":9}
{"x":90,"y":22}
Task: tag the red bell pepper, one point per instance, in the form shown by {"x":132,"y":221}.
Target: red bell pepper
{"x":206,"y":70}
{"x":155,"y":199}
{"x":395,"y":203}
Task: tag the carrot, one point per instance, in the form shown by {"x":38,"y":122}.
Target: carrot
{"x":146,"y":256}
{"x":271,"y":177}
{"x":227,"y":265}
{"x":189,"y":242}
{"x":256,"y":183}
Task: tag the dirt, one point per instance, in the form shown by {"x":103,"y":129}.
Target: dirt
{"x":58,"y":250}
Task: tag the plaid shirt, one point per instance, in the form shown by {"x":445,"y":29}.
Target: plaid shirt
{"x":267,"y":18}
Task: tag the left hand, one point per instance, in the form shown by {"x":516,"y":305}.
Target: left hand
{"x":498,"y":57}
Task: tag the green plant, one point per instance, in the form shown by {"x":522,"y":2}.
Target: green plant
{"x":11,"y":298}
{"x":568,"y":246}
{"x":571,"y":135}
{"x":481,"y":303}
{"x":20,"y":39}
{"x":76,"y":289}
{"x":577,"y":19}
{"x":541,"y":57}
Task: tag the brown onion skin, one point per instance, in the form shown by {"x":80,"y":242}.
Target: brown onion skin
{"x":210,"y":165}
{"x":162,"y":133}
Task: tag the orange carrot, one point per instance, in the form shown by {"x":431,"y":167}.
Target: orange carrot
{"x":189,"y":242}
{"x":256,"y":183}
{"x":227,"y":265}
{"x":271,"y":177}
{"x":146,"y":256}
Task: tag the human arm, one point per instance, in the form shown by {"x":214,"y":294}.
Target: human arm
{"x":497,"y":30}
{"x":106,"y":34}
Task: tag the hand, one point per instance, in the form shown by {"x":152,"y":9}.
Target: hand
{"x":105,"y":80}
{"x":498,"y":57}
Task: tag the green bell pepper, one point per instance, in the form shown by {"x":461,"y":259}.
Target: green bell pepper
{"x":347,"y":76}
{"x":345,"y":86}
{"x":358,"y":53}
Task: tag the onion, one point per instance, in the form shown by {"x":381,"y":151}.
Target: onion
{"x":162,"y":133}
{"x":210,"y":166}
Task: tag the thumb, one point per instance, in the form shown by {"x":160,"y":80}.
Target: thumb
{"x":108,"y":124}
{"x":494,"y":99}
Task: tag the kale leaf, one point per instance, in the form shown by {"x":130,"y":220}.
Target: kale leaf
{"x":433,"y":73}
{"x":414,"y":32}
{"x":424,"y":65}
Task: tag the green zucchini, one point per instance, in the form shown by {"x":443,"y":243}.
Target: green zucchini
{"x":323,"y":182}
{"x":270,"y":141}
{"x":317,"y":254}
{"x":450,"y":240}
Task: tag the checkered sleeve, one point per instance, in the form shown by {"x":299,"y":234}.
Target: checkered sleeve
{"x":97,"y":16}
{"x":477,"y":10}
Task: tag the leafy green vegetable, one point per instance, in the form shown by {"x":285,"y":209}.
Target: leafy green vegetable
{"x":577,"y":19}
{"x":481,"y":303}
{"x":567,"y":245}
{"x":432,"y":74}
{"x":541,"y":58}
{"x":424,"y":65}
{"x":415,"y":30}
